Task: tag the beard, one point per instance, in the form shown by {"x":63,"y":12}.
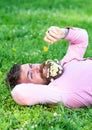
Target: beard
{"x":51,"y":70}
{"x":47,"y":80}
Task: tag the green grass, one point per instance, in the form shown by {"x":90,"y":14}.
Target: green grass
{"x":23,"y":24}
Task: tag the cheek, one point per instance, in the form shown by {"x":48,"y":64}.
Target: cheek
{"x":24,"y":80}
{"x":37,"y":78}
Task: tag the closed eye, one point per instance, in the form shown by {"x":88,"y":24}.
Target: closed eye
{"x":29,"y":75}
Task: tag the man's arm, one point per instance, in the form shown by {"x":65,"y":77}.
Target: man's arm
{"x":78,"y":42}
{"x":78,"y":39}
{"x":31,"y":94}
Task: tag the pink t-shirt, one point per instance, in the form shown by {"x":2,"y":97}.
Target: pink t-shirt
{"x":73,"y":88}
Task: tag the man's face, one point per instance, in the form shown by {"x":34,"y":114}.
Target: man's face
{"x":33,"y":73}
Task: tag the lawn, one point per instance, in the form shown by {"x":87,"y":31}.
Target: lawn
{"x":23,"y":24}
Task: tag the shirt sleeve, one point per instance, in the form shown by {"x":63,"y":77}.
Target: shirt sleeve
{"x":31,"y":94}
{"x":78,"y":42}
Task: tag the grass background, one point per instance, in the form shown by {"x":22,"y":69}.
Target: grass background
{"x":23,"y":24}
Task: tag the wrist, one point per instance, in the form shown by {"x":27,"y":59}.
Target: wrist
{"x":64,"y":32}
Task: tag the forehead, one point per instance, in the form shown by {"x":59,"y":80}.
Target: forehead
{"x":23,"y":74}
{"x":26,"y":66}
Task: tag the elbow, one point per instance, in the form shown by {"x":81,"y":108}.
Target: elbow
{"x":86,"y":34}
{"x":85,"y":37}
{"x":18,"y":98}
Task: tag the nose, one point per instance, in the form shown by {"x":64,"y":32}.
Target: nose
{"x":35,"y":69}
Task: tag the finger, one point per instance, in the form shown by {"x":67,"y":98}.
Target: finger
{"x":54,"y":35}
{"x":48,"y":40}
{"x":53,"y":29}
{"x":51,"y":37}
{"x":55,"y":32}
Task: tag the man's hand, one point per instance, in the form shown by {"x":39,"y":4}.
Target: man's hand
{"x":54,"y":34}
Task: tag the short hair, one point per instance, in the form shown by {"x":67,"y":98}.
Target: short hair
{"x":13,"y":76}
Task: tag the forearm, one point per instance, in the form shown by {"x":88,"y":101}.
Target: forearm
{"x":31,"y":94}
{"x":77,"y":36}
{"x":78,"y":39}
